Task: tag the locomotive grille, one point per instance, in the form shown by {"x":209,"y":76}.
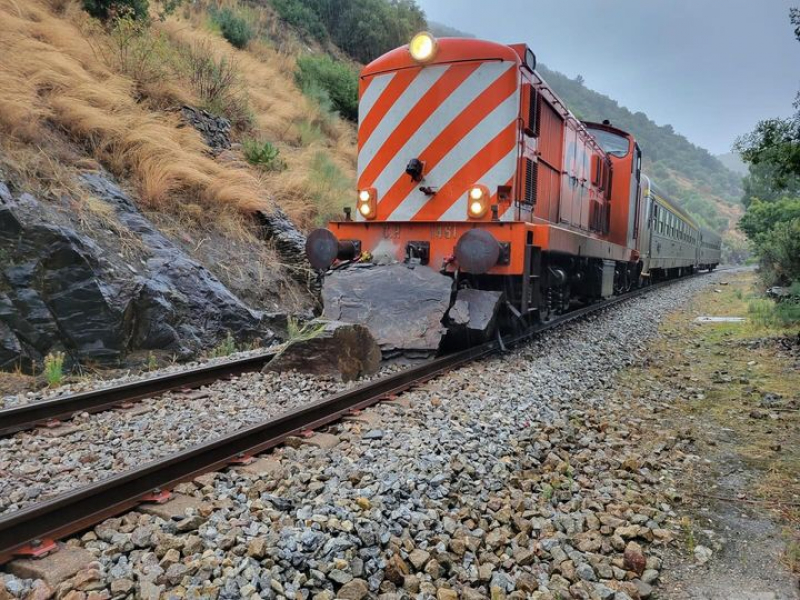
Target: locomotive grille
{"x":531,"y":181}
{"x":533,"y":127}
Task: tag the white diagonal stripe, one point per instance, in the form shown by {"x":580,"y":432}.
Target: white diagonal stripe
{"x":498,"y":175}
{"x":371,"y":95}
{"x":500,"y":118}
{"x":407,"y":100}
{"x":477,"y":83}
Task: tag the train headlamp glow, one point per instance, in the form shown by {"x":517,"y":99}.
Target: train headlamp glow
{"x":478,"y":201}
{"x":423,"y":47}
{"x":368,"y":203}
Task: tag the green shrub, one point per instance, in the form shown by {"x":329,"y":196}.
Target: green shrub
{"x":113,"y":9}
{"x":233,"y":26}
{"x":775,"y":314}
{"x":54,"y":368}
{"x":780,"y":253}
{"x":263,"y":154}
{"x":218,"y":85}
{"x":297,"y":14}
{"x":317,"y":74}
{"x":225,"y":348}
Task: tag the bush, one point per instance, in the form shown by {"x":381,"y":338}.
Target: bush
{"x":297,"y":14}
{"x":113,"y":9}
{"x":263,"y":154}
{"x":233,"y":27}
{"x":780,"y":253}
{"x":779,"y":315}
{"x":217,"y":83}
{"x":330,"y":83}
{"x":54,"y":369}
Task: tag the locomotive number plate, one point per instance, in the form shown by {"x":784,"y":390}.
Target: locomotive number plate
{"x":444,"y":232}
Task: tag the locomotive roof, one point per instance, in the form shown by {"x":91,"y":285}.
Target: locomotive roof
{"x":450,"y":50}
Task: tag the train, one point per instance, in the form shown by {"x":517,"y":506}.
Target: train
{"x":470,"y":164}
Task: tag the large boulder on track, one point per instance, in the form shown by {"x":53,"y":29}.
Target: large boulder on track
{"x":343,"y":350}
{"x":473,"y":317}
{"x":402,"y":307}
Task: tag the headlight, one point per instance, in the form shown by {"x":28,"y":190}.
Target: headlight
{"x":368,"y":203}
{"x":423,"y":47}
{"x":478,"y":201}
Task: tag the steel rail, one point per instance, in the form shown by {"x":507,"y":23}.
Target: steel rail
{"x":35,"y":414}
{"x":78,"y":510}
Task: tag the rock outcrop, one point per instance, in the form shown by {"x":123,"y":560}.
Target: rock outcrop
{"x":216,"y":131}
{"x":402,"y":307}
{"x":60,"y":290}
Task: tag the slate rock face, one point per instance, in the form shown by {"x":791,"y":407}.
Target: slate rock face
{"x":59,"y":292}
{"x":216,"y":131}
{"x":344,"y":350}
{"x":289,"y":241}
{"x":402,"y":307}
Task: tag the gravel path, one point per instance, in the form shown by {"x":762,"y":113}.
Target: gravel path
{"x":525,"y":475}
{"x":39,"y":464}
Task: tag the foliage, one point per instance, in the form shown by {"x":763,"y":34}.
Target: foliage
{"x":217,"y":83}
{"x":302,"y":333}
{"x":776,"y":314}
{"x":134,"y":49}
{"x":54,"y":368}
{"x":773,"y":152}
{"x":329,"y":82}
{"x":762,"y":216}
{"x":364,"y":29}
{"x":107,"y":10}
{"x":772,"y":192}
{"x":297,"y":14}
{"x":263,"y":154}
{"x":780,"y":253}
{"x":225,"y":348}
{"x":234,"y":27}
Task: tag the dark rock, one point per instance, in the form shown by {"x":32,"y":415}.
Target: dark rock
{"x":216,"y":131}
{"x":289,"y":241}
{"x":345,"y":350}
{"x":473,"y":317}
{"x":60,"y":292}
{"x":634,"y":558}
{"x":402,"y":307}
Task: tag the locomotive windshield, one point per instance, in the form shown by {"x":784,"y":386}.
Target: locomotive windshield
{"x":613,"y":144}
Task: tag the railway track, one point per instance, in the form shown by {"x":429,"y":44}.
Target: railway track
{"x":32,"y":531}
{"x":50,"y":412}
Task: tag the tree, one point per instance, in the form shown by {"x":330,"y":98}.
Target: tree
{"x":111,"y":9}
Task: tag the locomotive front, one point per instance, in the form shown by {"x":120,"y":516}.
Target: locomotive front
{"x":439,"y":150}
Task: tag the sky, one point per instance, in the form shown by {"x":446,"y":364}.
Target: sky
{"x":710,"y":68}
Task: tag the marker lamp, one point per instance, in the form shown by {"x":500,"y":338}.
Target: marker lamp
{"x":423,"y":47}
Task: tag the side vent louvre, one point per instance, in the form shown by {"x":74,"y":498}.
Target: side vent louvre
{"x":531,"y":181}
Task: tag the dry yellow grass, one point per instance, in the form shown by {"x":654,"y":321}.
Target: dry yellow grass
{"x":58,"y":83}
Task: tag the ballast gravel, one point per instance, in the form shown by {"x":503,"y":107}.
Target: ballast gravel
{"x":526,"y":475}
{"x":39,"y":464}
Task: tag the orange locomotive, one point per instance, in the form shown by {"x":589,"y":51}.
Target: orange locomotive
{"x":470,"y":164}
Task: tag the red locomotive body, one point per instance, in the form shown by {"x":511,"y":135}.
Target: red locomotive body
{"x":470,"y":164}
